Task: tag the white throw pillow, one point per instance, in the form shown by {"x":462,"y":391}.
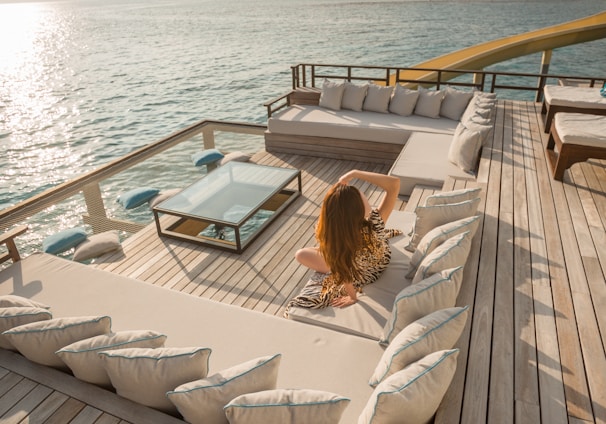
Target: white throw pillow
{"x":455,"y":102}
{"x":403,"y":101}
{"x":145,"y":375}
{"x":14,"y":316}
{"x":236,"y":156}
{"x":439,"y":330}
{"x":39,"y":341}
{"x":202,"y":401}
{"x":97,"y":245}
{"x":353,"y":96}
{"x":332,"y":94}
{"x":377,"y":98}
{"x":439,"y":235}
{"x":453,"y":196}
{"x":414,"y":393}
{"x":430,"y":217}
{"x":466,"y":145}
{"x":83,"y":358}
{"x":287,"y":406}
{"x":429,"y":102}
{"x":165,"y":195}
{"x":450,"y":254}
{"x":417,"y":300}
{"x":11,"y":300}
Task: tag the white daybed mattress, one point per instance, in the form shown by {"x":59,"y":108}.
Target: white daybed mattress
{"x":579,"y":97}
{"x":310,"y":120}
{"x":312,"y":357}
{"x":581,"y":129}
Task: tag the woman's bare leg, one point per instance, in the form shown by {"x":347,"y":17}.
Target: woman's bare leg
{"x":311,"y":258}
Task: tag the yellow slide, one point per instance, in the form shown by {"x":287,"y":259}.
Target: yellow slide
{"x":481,"y":55}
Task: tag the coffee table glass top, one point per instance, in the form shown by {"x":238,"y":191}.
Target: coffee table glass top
{"x":230,"y":193}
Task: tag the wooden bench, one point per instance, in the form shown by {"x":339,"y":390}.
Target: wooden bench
{"x":571,"y":149}
{"x":571,"y":99}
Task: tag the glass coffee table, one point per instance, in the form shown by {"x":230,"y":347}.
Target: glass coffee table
{"x":229,"y":207}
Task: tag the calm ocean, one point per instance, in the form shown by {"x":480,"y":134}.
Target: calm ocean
{"x":85,"y":81}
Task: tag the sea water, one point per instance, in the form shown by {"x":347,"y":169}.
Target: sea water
{"x":83,"y":82}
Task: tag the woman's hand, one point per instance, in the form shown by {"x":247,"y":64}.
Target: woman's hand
{"x":343,"y":301}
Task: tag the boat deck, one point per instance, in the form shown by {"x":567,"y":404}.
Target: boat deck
{"x":533,"y":350}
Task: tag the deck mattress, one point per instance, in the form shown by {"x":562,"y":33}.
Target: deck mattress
{"x":577,"y":97}
{"x":581,"y":129}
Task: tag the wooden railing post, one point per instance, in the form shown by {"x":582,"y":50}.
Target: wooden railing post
{"x":208,"y":136}
{"x":545,"y":61}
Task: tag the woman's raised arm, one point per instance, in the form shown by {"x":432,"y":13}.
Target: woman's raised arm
{"x":390,"y":184}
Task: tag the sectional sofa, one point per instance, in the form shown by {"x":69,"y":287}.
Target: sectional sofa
{"x":388,"y":358}
{"x":427,"y":135}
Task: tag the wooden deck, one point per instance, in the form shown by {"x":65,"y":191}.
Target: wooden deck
{"x":533,"y":350}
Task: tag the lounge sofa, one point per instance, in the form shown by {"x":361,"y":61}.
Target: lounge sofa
{"x":314,"y":365}
{"x":411,"y":129}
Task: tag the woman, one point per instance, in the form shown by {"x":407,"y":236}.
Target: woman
{"x":353,"y":249}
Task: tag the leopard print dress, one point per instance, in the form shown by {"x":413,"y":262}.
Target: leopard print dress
{"x":321,"y":288}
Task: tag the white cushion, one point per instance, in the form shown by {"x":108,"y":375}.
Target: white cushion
{"x":377,"y":98}
{"x":332,"y":94}
{"x":145,"y":375}
{"x":39,"y":341}
{"x":453,"y":196}
{"x":466,"y":145}
{"x":403,"y":101}
{"x":14,"y":316}
{"x":430,"y":217}
{"x":439,"y":330}
{"x":286,"y":406}
{"x":417,"y":300}
{"x":450,"y":254}
{"x":439,"y":235}
{"x":414,"y":393}
{"x":163,"y":195}
{"x":97,"y":245}
{"x":202,"y":401}
{"x":83,"y":358}
{"x":581,"y":128}
{"x":353,"y":96}
{"x":455,"y":102}
{"x":429,"y":102}
{"x":11,"y":300}
{"x":236,"y":156}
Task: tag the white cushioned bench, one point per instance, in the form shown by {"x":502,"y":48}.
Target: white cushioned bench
{"x":571,"y":99}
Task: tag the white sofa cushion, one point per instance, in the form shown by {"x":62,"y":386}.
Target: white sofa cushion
{"x":287,"y":406}
{"x":353,"y":96}
{"x":466,"y":146}
{"x":145,"y":375}
{"x":403,"y":101}
{"x":436,"y":292}
{"x":429,"y":103}
{"x":368,"y":316}
{"x":82,"y":357}
{"x":315,"y":121}
{"x":414,"y":393}
{"x":450,"y":254}
{"x":430,"y":217}
{"x":11,"y":300}
{"x":332,"y":94}
{"x":377,"y":98}
{"x":455,"y":102}
{"x":97,"y":245}
{"x":439,"y":330}
{"x":453,"y":196}
{"x":39,"y":341}
{"x":424,"y":161}
{"x":202,"y":401}
{"x":14,"y":316}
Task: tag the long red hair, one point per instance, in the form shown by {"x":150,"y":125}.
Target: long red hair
{"x":340,"y":231}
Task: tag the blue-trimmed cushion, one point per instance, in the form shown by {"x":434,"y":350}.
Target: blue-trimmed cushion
{"x":439,"y":235}
{"x":414,"y":392}
{"x":417,"y":300}
{"x":11,"y":300}
{"x":287,"y":406}
{"x":39,"y":341}
{"x":14,"y":316}
{"x":83,"y":358}
{"x":439,"y":330}
{"x":450,"y":254}
{"x":136,"y":197}
{"x":206,"y":157}
{"x":454,"y":196}
{"x":202,"y":401}
{"x":145,"y":375}
{"x":64,"y":240}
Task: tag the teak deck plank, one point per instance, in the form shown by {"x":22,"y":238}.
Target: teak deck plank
{"x":533,"y":348}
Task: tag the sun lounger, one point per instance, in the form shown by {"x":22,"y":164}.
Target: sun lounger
{"x":575,"y":137}
{"x":571,"y":99}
